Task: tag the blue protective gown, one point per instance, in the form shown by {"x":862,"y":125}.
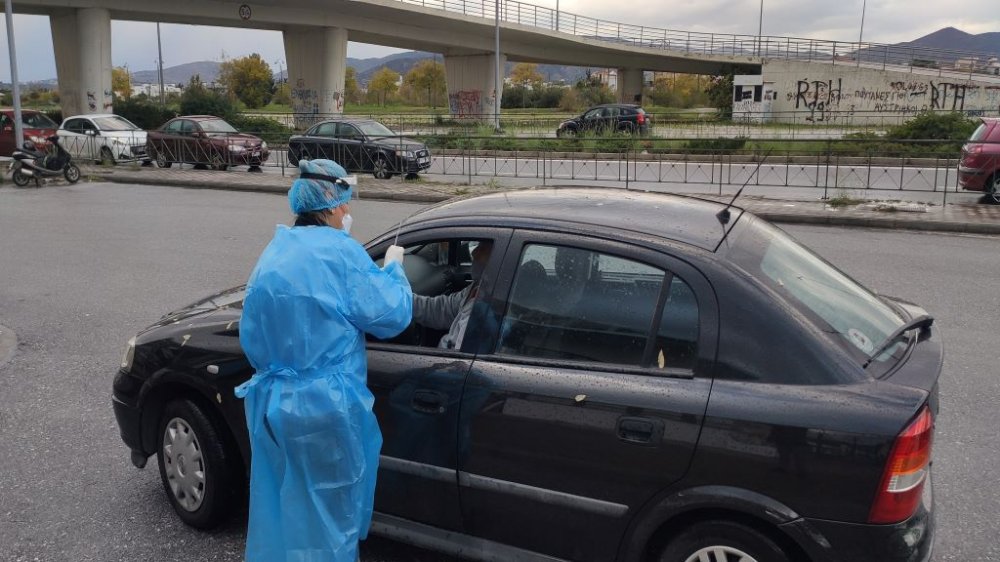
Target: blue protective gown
{"x":314,"y":439}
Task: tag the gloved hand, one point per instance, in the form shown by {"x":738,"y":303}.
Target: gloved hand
{"x":394,"y":255}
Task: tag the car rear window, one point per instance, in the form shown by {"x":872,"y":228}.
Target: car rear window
{"x":836,"y":303}
{"x":980,"y":132}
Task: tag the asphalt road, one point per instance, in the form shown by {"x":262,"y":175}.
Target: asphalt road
{"x":83,"y":267}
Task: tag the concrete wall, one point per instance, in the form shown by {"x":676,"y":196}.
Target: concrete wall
{"x":317,"y":67}
{"x":472,"y":91}
{"x":81,"y":40}
{"x":629,"y":85}
{"x":845,"y":94}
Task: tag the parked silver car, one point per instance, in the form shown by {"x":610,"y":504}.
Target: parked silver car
{"x":106,"y":138}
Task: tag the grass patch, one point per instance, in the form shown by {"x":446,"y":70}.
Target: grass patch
{"x":844,"y":200}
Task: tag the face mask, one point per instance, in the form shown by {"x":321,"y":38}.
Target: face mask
{"x":477,"y":270}
{"x":347,"y":221}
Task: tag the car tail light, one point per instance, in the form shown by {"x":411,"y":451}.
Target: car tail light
{"x":906,"y":471}
{"x":640,"y":118}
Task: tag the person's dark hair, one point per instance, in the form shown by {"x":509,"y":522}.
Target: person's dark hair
{"x":312,"y":218}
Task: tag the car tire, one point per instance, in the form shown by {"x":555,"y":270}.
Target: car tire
{"x":107,"y":157}
{"x":161,"y":160}
{"x":412,"y":176}
{"x":381,"y":171}
{"x":992,"y":189}
{"x":292,"y":159}
{"x":201,"y":473}
{"x":722,"y":541}
{"x":218,"y":163}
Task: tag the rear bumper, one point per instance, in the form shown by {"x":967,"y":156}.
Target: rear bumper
{"x":834,"y":541}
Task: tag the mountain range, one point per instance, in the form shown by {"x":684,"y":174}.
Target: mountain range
{"x":957,"y":40}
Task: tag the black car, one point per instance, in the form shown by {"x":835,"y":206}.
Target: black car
{"x":687,"y":384}
{"x":361,"y":145}
{"x":609,"y":118}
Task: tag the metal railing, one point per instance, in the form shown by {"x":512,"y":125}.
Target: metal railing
{"x":912,"y":58}
{"x":859,"y":164}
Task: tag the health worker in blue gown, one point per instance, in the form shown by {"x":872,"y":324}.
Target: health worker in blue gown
{"x":315,"y":442}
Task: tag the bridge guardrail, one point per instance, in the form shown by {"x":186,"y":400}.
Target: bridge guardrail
{"x":906,"y":57}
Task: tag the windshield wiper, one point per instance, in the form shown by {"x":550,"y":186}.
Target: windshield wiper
{"x":922,"y":321}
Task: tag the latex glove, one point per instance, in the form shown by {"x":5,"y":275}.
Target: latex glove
{"x":393,"y":255}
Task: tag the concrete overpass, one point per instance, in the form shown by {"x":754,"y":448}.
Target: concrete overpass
{"x":316,"y":33}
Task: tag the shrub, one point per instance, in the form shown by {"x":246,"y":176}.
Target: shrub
{"x":724,"y":145}
{"x":264,"y":127}
{"x":931,"y":125}
{"x":142,"y":112}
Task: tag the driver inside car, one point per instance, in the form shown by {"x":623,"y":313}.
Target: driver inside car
{"x":452,"y":312}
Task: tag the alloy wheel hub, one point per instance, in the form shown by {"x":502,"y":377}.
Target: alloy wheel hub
{"x":720,"y":554}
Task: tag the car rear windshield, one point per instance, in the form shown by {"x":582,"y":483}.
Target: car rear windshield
{"x":836,"y":303}
{"x":980,"y":132}
{"x":374,"y":129}
{"x":217,"y":126}
{"x":37,"y":121}
{"x":114,"y":123}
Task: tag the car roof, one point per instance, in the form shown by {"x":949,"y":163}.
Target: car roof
{"x":680,"y":218}
{"x":198,"y":117}
{"x":10,"y":110}
{"x":90,"y":116}
{"x":348,"y":120}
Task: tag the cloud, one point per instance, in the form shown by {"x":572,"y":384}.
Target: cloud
{"x":888,"y":21}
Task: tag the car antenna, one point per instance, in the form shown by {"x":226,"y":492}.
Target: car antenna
{"x":724,"y":214}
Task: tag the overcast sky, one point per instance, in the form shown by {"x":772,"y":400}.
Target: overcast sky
{"x":886,"y":21}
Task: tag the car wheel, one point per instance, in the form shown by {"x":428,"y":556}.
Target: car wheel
{"x":72,"y":173}
{"x":161,"y":160}
{"x":200,"y":476}
{"x":218,"y":163}
{"x":107,"y":157}
{"x":722,"y":541}
{"x":292,"y":159}
{"x":20,"y":178}
{"x":381,"y":170}
{"x":412,"y":176}
{"x":993,"y":190}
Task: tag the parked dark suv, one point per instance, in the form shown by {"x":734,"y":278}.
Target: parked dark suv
{"x":610,"y":118}
{"x":361,"y":145}
{"x":204,"y":139}
{"x":979,"y":169}
{"x":689,"y":384}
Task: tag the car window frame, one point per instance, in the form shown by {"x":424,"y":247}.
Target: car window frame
{"x":672,"y":265}
{"x":316,"y":131}
{"x":501,"y":238}
{"x":358,"y":136}
{"x":173,"y":123}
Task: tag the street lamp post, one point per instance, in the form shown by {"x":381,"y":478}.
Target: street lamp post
{"x":497,"y":86}
{"x":15,"y":88}
{"x":159,"y":64}
{"x":760,"y":26}
{"x":861,"y":34}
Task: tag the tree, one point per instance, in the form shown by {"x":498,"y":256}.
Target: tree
{"x":121,"y":83}
{"x":525,"y":75}
{"x":282,"y":95}
{"x":248,"y":79}
{"x":199,"y":100}
{"x":427,"y":78}
{"x":720,"y":94}
{"x":384,"y":84}
{"x":352,"y":94}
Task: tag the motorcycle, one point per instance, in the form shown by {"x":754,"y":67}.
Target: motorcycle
{"x":30,"y":163}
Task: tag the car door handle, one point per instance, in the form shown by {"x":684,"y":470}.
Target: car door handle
{"x":641,"y":431}
{"x":429,"y":401}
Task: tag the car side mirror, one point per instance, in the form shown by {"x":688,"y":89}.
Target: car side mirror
{"x":91,"y":133}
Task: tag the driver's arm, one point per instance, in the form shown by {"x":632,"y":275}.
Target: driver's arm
{"x":438,"y":312}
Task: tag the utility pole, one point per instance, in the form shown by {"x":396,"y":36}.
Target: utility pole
{"x":15,"y":88}
{"x":760,"y":26}
{"x":861,"y":34}
{"x":557,"y":15}
{"x":159,"y":48}
{"x":497,"y":85}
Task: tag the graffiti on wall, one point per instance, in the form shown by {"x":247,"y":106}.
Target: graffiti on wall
{"x":828,"y":100}
{"x":466,"y":103}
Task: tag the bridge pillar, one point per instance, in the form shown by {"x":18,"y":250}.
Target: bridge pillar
{"x":471,"y":81}
{"x":629,"y":85}
{"x":317,"y":67}
{"x":81,"y":40}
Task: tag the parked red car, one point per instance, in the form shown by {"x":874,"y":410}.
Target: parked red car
{"x":204,"y":139}
{"x":979,"y":169}
{"x":36,"y":127}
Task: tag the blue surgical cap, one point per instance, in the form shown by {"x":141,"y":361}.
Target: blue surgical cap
{"x":318,"y":194}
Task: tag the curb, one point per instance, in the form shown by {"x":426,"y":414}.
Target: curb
{"x":264,"y":188}
{"x":8,"y":344}
{"x":773,"y":216}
